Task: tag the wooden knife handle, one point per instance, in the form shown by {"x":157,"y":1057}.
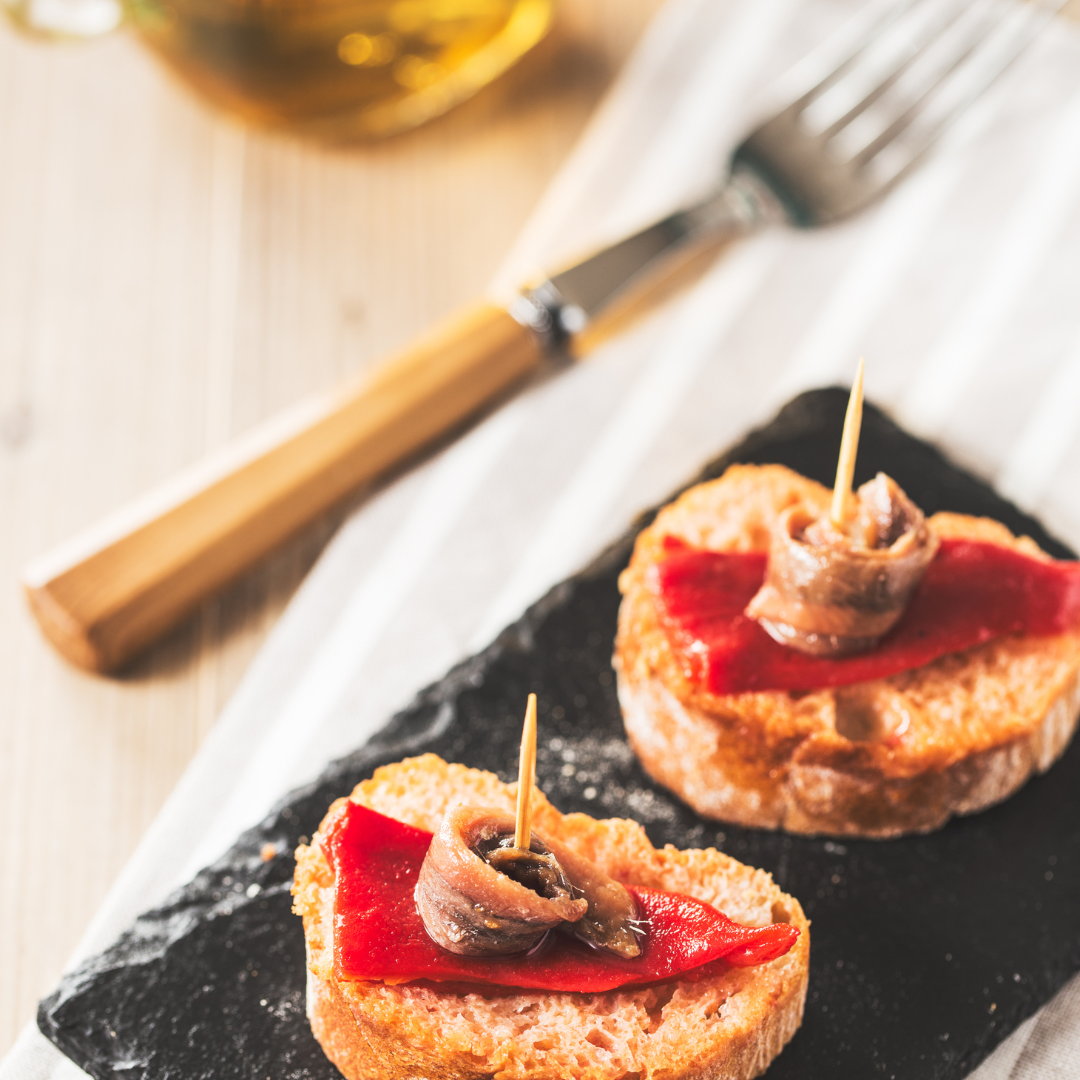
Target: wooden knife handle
{"x":110,"y":592}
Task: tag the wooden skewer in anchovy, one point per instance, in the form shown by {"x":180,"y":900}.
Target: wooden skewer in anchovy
{"x":489,"y":885}
{"x":836,"y":583}
{"x":526,"y":776}
{"x":849,"y":448}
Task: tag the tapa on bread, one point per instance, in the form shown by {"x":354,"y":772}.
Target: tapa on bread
{"x":977,"y":724}
{"x":724,"y":1025}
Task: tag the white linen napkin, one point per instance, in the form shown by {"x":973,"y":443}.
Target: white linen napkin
{"x":960,"y":290}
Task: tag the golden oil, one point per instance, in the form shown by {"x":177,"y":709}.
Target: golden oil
{"x":340,"y":68}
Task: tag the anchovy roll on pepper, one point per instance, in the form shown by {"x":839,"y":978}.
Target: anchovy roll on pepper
{"x":479,"y":895}
{"x":474,"y":908}
{"x":830,"y":591}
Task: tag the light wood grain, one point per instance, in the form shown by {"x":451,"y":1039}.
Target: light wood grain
{"x":169,"y":280}
{"x":103,"y":597}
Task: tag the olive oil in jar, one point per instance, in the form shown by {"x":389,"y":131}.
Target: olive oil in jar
{"x":340,"y":68}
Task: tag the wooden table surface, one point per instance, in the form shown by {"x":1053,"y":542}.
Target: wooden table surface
{"x":167,"y":280}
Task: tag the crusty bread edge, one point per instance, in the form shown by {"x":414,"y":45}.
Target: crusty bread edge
{"x":347,"y":1019}
{"x":816,"y":799}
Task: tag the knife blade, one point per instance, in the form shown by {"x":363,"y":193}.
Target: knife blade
{"x":563,"y":306}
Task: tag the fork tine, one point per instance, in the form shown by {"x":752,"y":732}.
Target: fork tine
{"x":1035,"y":15}
{"x":908,"y":116}
{"x":869,"y":37}
{"x":928,"y":37}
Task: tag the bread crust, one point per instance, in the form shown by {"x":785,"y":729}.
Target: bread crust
{"x":725,"y":1025}
{"x":977,"y":724}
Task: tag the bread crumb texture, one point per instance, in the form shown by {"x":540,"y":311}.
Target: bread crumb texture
{"x":729,"y":1024}
{"x":881,"y":758}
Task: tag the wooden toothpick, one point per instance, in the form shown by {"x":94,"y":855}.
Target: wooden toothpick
{"x":849,"y":447}
{"x":526,"y":775}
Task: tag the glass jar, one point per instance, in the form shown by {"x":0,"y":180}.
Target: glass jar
{"x":337,"y":68}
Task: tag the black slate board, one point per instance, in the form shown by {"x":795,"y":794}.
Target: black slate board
{"x":926,"y":952}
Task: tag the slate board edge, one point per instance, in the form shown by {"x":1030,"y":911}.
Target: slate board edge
{"x":407,"y":731}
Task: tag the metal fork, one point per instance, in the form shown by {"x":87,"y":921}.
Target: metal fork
{"x":807,"y":168}
{"x":840,"y":145}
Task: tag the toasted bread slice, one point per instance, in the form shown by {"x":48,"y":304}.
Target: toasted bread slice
{"x":727,"y":1025}
{"x":976,"y":724}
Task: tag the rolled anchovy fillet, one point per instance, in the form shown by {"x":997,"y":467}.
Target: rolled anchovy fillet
{"x":829,"y":592}
{"x":611,"y":922}
{"x":480,"y":896}
{"x":470,"y":907}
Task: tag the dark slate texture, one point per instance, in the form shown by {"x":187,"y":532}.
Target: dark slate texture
{"x":926,"y":952}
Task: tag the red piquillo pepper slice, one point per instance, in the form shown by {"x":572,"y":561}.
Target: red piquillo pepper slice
{"x":972,"y":592}
{"x":378,"y":935}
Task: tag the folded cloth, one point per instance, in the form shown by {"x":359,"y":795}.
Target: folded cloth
{"x":960,"y":290}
